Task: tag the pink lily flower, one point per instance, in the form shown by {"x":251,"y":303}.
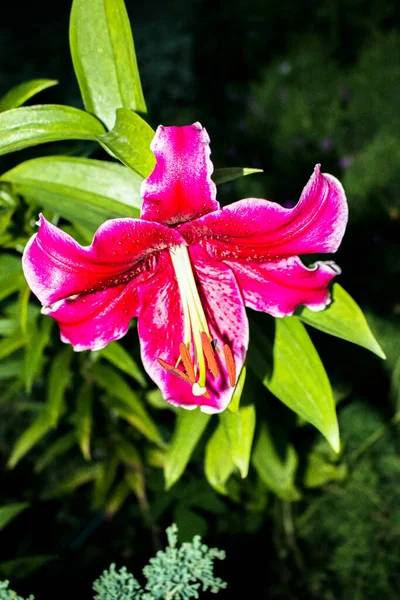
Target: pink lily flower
{"x":187,"y":269}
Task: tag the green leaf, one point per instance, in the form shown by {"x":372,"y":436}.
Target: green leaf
{"x":104,"y":481}
{"x":276,"y":465}
{"x":84,"y":418}
{"x":343,"y":318}
{"x":239,"y":428}
{"x":19,"y":94}
{"x":11,"y":275}
{"x":13,"y":343}
{"x":81,"y":189}
{"x":34,"y":352}
{"x":233,"y":405}
{"x":31,"y":125}
{"x":230,"y":173}
{"x":10,"y":511}
{"x":74,"y":480}
{"x":104,"y":58}
{"x":320,"y":471}
{"x":297,"y":376}
{"x":58,"y":378}
{"x":117,"y":498}
{"x":62,"y":445}
{"x":116,"y":354}
{"x":218,"y":460}
{"x":19,"y":568}
{"x":129,"y":141}
{"x":128,"y":454}
{"x":128,"y":404}
{"x":29,"y":438}
{"x":188,"y":430}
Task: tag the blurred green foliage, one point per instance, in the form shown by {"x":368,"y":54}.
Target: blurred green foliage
{"x":279,"y":87}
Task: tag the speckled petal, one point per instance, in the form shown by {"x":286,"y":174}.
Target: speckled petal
{"x":180,"y":187}
{"x":278,"y":288}
{"x":258,"y":230}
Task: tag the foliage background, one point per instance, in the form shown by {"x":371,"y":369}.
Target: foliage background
{"x":279,"y":86}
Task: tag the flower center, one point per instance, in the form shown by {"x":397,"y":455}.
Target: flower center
{"x":196,"y":332}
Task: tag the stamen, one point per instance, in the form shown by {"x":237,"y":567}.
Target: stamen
{"x":174,"y":370}
{"x":209,"y":354}
{"x":187,"y":362}
{"x":230,"y":365}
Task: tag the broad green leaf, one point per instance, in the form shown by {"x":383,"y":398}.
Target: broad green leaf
{"x":218,"y":460}
{"x":320,"y":471}
{"x":29,"y":438}
{"x":276,"y":466}
{"x":128,"y":404}
{"x":58,"y":378}
{"x":129,"y":141}
{"x":188,"y":430}
{"x":83,"y":418}
{"x":40,"y":337}
{"x":22,"y":92}
{"x":10,"y":511}
{"x":116,"y":354}
{"x":230,"y":173}
{"x":32,"y":125}
{"x":13,"y":343}
{"x":233,"y":405}
{"x":104,"y":58}
{"x":343,"y":318}
{"x":297,"y":376}
{"x":82,"y":189}
{"x":239,"y":428}
{"x":56,"y":449}
{"x":74,"y":480}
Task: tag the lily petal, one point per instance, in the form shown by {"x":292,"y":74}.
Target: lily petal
{"x":57,"y":267}
{"x":258,"y":229}
{"x":92,"y":321}
{"x":160,"y":327}
{"x":278,"y":288}
{"x":180,"y":188}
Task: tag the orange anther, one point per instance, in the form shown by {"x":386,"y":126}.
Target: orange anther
{"x":230,"y":365}
{"x":174,"y":370}
{"x":209,"y":354}
{"x":187,"y":362}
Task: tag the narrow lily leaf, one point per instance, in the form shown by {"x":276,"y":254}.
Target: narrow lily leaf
{"x":297,"y":376}
{"x":230,"y":173}
{"x":116,"y":354}
{"x":10,"y":369}
{"x":19,"y":94}
{"x":218,"y":461}
{"x":117,"y":499}
{"x":58,"y":448}
{"x":12,"y":344}
{"x":104,"y":58}
{"x":19,"y":568}
{"x":128,"y":404}
{"x":77,"y":478}
{"x":11,"y":276}
{"x":10,"y":511}
{"x":319,"y":471}
{"x":277,"y":469}
{"x":32,"y":125}
{"x":128,"y":454}
{"x":189,"y":428}
{"x":233,"y":406}
{"x":34,"y":353}
{"x":81,"y":189}
{"x":104,"y":481}
{"x":129,"y":141}
{"x":239,"y":429}
{"x":83,"y":418}
{"x":28,"y":439}
{"x":57,"y":381}
{"x":344,"y":319}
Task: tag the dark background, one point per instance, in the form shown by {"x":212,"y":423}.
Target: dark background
{"x":279,"y":86}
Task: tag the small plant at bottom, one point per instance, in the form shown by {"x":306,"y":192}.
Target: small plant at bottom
{"x":177,"y":573}
{"x":7,"y":594}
